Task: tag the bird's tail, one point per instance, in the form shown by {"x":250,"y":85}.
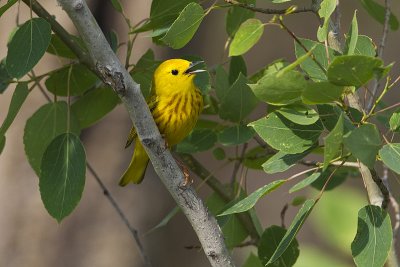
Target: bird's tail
{"x":137,"y":167}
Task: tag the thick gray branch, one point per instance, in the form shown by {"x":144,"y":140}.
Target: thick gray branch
{"x":114,"y":74}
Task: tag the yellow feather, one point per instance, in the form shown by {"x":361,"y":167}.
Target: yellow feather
{"x":176,"y":104}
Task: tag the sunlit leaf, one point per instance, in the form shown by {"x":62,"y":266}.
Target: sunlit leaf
{"x":246,"y":37}
{"x":299,"y":114}
{"x":286,"y":136}
{"x":353,"y":70}
{"x":390,"y":155}
{"x":351,"y":41}
{"x":280,"y":88}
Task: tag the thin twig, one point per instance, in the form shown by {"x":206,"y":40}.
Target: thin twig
{"x":381,"y":49}
{"x":237,"y":164}
{"x":270,"y":11}
{"x":120,"y":213}
{"x":291,"y":33}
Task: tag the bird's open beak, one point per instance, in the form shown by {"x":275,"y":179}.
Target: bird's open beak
{"x":193,"y":64}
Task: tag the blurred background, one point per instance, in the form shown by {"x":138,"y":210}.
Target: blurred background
{"x":93,"y":235}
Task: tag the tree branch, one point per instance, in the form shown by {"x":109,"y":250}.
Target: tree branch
{"x":114,"y":74}
{"x":269,"y":10}
{"x":380,"y":52}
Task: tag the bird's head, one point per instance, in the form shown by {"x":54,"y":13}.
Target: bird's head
{"x":175,"y":74}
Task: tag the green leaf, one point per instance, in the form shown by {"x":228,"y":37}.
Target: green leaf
{"x":390,"y":155}
{"x":249,"y":202}
{"x":59,"y":48}
{"x":321,"y":93}
{"x":255,"y":157}
{"x":280,"y":88}
{"x":351,"y":41}
{"x":269,"y":243}
{"x":281,"y":161}
{"x":198,"y":140}
{"x":364,"y":143}
{"x":27,"y":46}
{"x":45,"y":124}
{"x":232,"y":229}
{"x":353,"y":70}
{"x":305,"y":182}
{"x":116,"y":5}
{"x":333,"y":142}
{"x":2,"y":142}
{"x":298,"y":200}
{"x":246,"y":37}
{"x":162,"y":14}
{"x":237,"y":15}
{"x":237,"y":65}
{"x":221,"y":82}
{"x":81,"y":80}
{"x":326,"y":9}
{"x":62,"y":175}
{"x":6,"y":6}
{"x":252,"y":261}
{"x":219,"y":153}
{"x":94,"y":105}
{"x":239,"y":101}
{"x":291,"y":233}
{"x":365,"y":46}
{"x":184,"y":27}
{"x":377,"y":11}
{"x":309,"y":65}
{"x":235,"y":135}
{"x":394,"y":122}
{"x":299,"y":114}
{"x":286,"y":136}
{"x":20,"y":94}
{"x":5,"y":78}
{"x":373,"y":240}
{"x":144,"y":71}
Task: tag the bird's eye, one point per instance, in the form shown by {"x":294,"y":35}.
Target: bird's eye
{"x":174,"y":72}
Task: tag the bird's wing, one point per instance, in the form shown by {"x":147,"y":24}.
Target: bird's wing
{"x":152,"y":103}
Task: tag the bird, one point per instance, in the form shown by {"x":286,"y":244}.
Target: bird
{"x":175,"y":103}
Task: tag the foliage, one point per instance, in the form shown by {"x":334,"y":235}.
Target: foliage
{"x":310,"y":115}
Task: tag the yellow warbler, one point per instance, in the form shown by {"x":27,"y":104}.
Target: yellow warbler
{"x":175,"y":104}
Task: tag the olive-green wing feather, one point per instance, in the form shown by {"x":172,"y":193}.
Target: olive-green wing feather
{"x":152,"y":103}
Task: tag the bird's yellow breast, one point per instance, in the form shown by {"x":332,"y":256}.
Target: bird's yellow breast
{"x":176,"y":114}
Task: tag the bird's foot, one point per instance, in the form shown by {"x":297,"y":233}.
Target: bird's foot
{"x":187,"y":180}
